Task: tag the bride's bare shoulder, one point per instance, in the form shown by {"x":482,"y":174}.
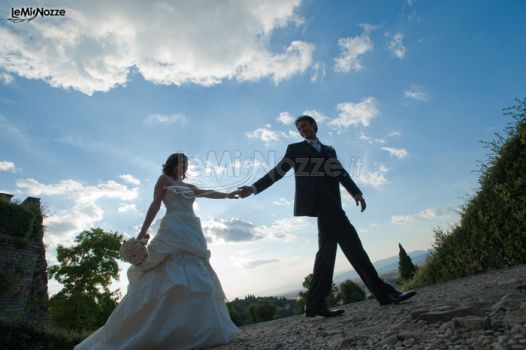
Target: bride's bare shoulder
{"x":164,"y":180}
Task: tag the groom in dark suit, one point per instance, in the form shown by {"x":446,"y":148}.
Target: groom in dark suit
{"x":318,"y":174}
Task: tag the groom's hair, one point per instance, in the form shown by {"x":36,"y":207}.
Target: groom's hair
{"x":307,"y":118}
{"x":171,"y":162}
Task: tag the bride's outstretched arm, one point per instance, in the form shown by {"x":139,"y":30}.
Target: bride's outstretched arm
{"x":214,"y":194}
{"x":154,"y":206}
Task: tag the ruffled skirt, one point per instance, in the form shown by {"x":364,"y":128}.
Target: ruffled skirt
{"x":176,"y":304}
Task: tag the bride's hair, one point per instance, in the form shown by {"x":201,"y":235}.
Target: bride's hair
{"x":173,"y":161}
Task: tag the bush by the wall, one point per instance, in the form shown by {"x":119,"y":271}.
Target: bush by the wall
{"x":23,"y":334}
{"x":20,"y":221}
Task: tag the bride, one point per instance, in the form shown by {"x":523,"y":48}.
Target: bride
{"x":174,"y":298}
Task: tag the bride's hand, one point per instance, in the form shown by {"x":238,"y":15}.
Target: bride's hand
{"x":142,"y":236}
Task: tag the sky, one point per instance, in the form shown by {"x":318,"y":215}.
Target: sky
{"x":93,"y":102}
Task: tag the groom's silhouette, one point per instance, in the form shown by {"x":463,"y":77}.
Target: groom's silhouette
{"x":318,"y":174}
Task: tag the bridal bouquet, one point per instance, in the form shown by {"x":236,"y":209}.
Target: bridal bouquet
{"x":134,"y":251}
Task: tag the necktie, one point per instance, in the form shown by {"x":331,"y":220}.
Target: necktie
{"x":316,"y":144}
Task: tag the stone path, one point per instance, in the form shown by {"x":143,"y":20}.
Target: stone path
{"x":486,"y":311}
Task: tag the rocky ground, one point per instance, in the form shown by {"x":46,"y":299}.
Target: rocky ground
{"x":486,"y":311}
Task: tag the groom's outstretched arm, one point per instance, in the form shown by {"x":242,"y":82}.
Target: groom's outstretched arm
{"x":272,"y":176}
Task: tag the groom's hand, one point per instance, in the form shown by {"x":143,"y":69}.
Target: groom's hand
{"x":245,"y":191}
{"x":360,"y":201}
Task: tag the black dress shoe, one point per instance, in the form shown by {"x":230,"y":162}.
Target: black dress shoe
{"x":398,"y":297}
{"x":312,"y":312}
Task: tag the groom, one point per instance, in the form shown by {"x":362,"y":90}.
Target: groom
{"x":318,"y":174}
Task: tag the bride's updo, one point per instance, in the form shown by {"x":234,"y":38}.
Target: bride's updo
{"x":172,"y":162}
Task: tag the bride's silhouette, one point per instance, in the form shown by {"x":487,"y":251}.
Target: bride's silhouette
{"x":174,"y":298}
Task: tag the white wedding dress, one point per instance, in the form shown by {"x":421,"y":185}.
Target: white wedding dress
{"x":174,"y":299}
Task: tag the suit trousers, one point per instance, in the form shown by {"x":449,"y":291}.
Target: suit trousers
{"x":334,"y":228}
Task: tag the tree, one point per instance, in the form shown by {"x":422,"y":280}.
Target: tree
{"x":235,"y":314}
{"x":331,"y":300}
{"x":406,"y":268}
{"x":350,"y":292}
{"x":86,"y":271}
{"x":263,"y":310}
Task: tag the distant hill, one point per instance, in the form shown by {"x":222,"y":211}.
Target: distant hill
{"x":387,"y":266}
{"x":384,"y":266}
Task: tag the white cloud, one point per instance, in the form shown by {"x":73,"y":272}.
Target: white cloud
{"x":62,"y":225}
{"x":431,"y":213}
{"x":7,"y":79}
{"x":375,"y":178}
{"x":396,"y":46}
{"x":281,"y":201}
{"x":416,"y":92}
{"x":318,"y":117}
{"x":7,"y":166}
{"x":393,"y":133}
{"x":285,"y":118}
{"x":200,"y":42}
{"x":130,"y":179}
{"x":397,"y":152}
{"x":125,"y":207}
{"x":233,"y":230}
{"x":267,"y":134}
{"x":370,"y":140}
{"x":166,"y":119}
{"x":351,"y":49}
{"x":352,"y":114}
{"x":318,"y":72}
{"x":253,"y":263}
{"x":237,"y":230}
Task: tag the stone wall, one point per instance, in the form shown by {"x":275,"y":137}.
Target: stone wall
{"x":23,"y":272}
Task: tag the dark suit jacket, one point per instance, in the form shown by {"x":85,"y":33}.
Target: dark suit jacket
{"x":317,"y":174}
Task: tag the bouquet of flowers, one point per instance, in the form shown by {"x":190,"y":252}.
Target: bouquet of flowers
{"x":134,"y":251}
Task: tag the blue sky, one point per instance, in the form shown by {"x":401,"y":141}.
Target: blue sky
{"x":92,"y":103}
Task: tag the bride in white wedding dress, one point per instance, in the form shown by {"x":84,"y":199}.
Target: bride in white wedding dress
{"x":174,"y":298}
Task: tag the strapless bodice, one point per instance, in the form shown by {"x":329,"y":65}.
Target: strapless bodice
{"x":179,"y":200}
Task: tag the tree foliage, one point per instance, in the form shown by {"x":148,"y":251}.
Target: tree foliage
{"x":406,"y":268}
{"x":491,"y":233}
{"x":331,"y":300}
{"x":86,"y":271}
{"x":350,"y":292}
{"x":252,"y":309}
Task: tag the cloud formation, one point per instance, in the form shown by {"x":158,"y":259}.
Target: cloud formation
{"x":130,"y":179}
{"x":353,"y":114}
{"x":253,"y":263}
{"x":424,"y":214}
{"x":376,"y":178}
{"x":351,"y":49}
{"x":166,"y":119}
{"x":237,"y":230}
{"x":416,"y":92}
{"x":285,"y":118}
{"x":400,"y":153}
{"x":84,"y":211}
{"x":396,"y":46}
{"x":7,"y":166}
{"x":267,"y":134}
{"x":200,"y":42}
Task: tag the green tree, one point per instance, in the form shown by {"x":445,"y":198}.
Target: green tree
{"x":263,"y":310}
{"x":86,"y":271}
{"x":350,"y":292}
{"x":406,"y":268}
{"x":235,"y":314}
{"x":331,"y":300}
